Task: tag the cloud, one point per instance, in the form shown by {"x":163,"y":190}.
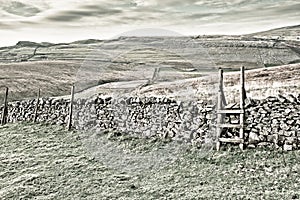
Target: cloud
{"x":82,"y":12}
{"x":20,"y":9}
{"x":4,"y":25}
{"x":238,"y":11}
{"x":143,"y":3}
{"x":289,"y":9}
{"x":21,"y":18}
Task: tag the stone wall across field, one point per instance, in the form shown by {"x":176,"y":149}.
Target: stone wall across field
{"x":274,"y":121}
{"x":190,"y":121}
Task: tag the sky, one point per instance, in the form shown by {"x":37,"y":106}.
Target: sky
{"x":71,"y":20}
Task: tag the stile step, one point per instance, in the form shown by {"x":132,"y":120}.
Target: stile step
{"x":229,"y":126}
{"x":231,"y":140}
{"x":230,"y":111}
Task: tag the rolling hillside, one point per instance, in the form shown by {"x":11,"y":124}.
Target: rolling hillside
{"x":28,"y":66}
{"x":284,"y":33}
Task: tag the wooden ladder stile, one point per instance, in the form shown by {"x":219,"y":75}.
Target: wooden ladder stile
{"x":221,"y":111}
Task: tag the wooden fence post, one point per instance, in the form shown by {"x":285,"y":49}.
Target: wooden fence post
{"x":219,"y":107}
{"x":4,"y":111}
{"x":37,"y":106}
{"x":242,"y":105}
{"x":71,"y":108}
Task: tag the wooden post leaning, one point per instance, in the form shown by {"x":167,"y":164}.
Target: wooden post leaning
{"x":219,"y":107}
{"x":4,"y":111}
{"x":69,"y":126}
{"x":242,"y":105}
{"x":37,"y":106}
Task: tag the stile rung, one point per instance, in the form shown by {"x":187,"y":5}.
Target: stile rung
{"x":231,"y":140}
{"x":231,"y":111}
{"x":229,"y":125}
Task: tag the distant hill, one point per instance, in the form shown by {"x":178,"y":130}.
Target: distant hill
{"x":283,"y":33}
{"x":32,"y":44}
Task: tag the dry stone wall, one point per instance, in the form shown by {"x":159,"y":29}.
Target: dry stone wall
{"x":52,"y":111}
{"x":272,"y":122}
{"x":190,"y":121}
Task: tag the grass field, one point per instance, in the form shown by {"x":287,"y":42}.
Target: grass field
{"x":54,"y":78}
{"x":47,"y":162}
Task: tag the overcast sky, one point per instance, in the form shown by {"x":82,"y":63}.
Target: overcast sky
{"x":70,"y":20}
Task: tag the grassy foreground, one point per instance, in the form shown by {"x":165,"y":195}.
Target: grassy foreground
{"x":47,"y":162}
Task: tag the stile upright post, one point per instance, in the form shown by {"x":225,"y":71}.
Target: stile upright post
{"x":242,"y":105}
{"x":71,"y":108}
{"x":4,"y":111}
{"x":219,"y":107}
{"x":37,"y":106}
